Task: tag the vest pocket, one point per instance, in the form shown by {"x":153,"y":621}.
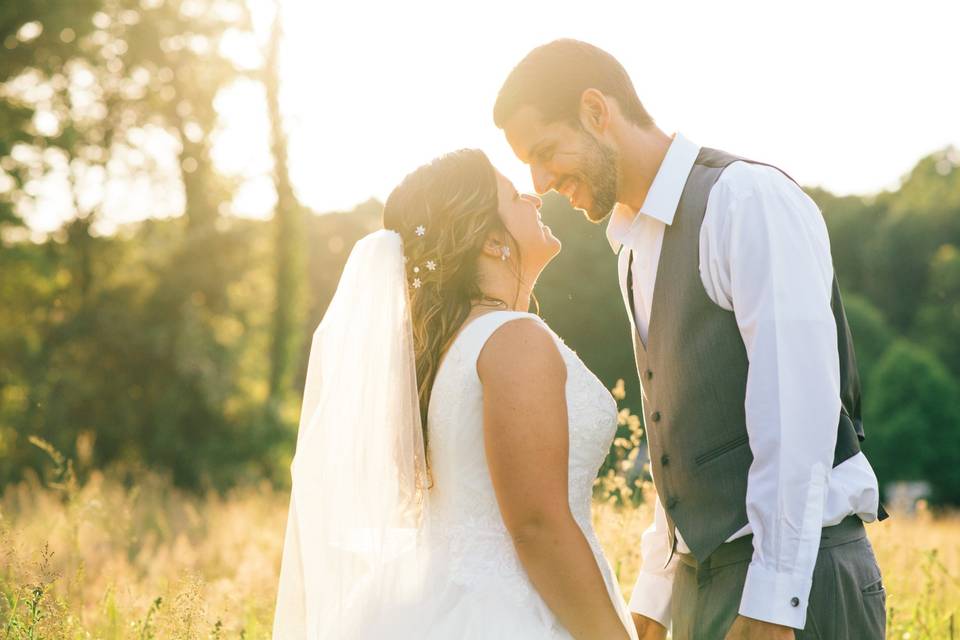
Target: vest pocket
{"x":716,"y":452}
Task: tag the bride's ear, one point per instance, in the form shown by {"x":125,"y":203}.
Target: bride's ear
{"x":493,"y":246}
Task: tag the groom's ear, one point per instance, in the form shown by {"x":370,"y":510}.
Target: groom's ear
{"x":594,"y":111}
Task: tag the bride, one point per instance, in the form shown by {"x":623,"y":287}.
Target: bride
{"x":448,"y":439}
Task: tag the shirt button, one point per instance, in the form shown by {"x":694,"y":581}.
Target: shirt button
{"x":795,"y":602}
{"x":655,"y":416}
{"x":665,"y":459}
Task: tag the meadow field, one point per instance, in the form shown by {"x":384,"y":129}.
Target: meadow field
{"x":126,"y":555}
{"x":182,"y":182}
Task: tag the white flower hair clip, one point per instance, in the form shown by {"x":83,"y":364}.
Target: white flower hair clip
{"x":416,"y":282}
{"x":420,"y":230}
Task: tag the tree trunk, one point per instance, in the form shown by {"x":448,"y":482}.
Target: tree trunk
{"x":289,"y":243}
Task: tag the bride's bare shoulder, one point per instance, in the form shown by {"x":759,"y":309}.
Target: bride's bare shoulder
{"x":520,"y":351}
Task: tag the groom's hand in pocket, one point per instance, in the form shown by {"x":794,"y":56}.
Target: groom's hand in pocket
{"x":648,"y":628}
{"x":749,"y":629}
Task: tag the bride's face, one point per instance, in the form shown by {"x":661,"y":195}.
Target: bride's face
{"x":520,"y":214}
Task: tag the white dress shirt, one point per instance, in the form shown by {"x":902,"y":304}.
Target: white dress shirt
{"x":765,"y":255}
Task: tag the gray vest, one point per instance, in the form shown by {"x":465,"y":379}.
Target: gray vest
{"x":693,"y":373}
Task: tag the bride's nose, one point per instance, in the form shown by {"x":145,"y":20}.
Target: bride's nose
{"x":537,"y":202}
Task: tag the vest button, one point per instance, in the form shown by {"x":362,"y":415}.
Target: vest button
{"x":665,"y":459}
{"x":649,"y":374}
{"x":655,"y":416}
{"x":672,"y":502}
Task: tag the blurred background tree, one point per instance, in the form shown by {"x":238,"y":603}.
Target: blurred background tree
{"x":140,"y":337}
{"x":179,"y":342}
{"x":912,"y":410}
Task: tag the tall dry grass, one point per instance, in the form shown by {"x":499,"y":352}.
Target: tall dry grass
{"x":115,"y":560}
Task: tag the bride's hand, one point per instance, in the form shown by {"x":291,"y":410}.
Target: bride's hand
{"x":649,"y":629}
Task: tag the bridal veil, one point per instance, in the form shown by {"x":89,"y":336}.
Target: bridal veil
{"x":357,"y":520}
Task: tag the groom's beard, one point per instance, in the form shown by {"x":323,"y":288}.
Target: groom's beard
{"x":601,"y":173}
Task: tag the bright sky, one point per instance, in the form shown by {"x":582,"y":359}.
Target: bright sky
{"x":845,"y":94}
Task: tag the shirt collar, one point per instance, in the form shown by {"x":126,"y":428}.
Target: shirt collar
{"x":664,"y":194}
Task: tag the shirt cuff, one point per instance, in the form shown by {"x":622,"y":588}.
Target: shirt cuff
{"x":651,"y":597}
{"x":778,"y":598}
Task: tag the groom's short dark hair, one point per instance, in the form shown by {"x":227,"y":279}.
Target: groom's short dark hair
{"x":552,"y":77}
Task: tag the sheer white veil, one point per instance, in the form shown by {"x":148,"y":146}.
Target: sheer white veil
{"x":358,"y":506}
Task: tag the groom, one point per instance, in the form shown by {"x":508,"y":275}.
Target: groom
{"x":751,"y":396}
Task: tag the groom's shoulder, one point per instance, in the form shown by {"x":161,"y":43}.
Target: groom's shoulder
{"x":745,"y":178}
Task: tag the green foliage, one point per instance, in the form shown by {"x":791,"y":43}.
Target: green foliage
{"x":938,"y":321}
{"x":178,"y":344}
{"x":28,"y":611}
{"x":872,"y":334}
{"x":912,"y":414}
{"x":897,"y":252}
{"x":850,"y":221}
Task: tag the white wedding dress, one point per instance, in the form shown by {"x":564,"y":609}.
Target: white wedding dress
{"x":371,"y":549}
{"x":477,"y":587}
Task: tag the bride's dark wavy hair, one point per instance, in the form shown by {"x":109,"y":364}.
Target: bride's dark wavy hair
{"x":443,"y":211}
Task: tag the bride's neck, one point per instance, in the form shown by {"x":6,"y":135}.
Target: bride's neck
{"x":505,"y":288}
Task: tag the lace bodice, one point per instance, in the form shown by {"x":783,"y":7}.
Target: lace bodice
{"x":465,"y":516}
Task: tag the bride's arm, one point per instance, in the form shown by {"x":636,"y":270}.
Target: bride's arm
{"x":526,"y":441}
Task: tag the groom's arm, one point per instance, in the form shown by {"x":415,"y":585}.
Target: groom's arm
{"x":766,"y":255}
{"x":654,"y":586}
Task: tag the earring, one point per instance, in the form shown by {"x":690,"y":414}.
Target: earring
{"x":504,"y":252}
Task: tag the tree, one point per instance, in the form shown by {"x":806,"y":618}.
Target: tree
{"x":938,"y":321}
{"x":912,"y":419}
{"x":140,"y":341}
{"x":851,"y":221}
{"x":872,"y":335}
{"x":289,"y":239}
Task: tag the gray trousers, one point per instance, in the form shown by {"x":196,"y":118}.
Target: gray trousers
{"x":847,"y":600}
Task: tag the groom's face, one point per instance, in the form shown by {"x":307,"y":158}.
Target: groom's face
{"x":566,"y":158}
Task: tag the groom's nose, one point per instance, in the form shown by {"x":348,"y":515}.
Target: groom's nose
{"x":542,"y":179}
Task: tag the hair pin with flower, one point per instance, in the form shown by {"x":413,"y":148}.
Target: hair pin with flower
{"x":417,"y":282}
{"x":431,"y":265}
